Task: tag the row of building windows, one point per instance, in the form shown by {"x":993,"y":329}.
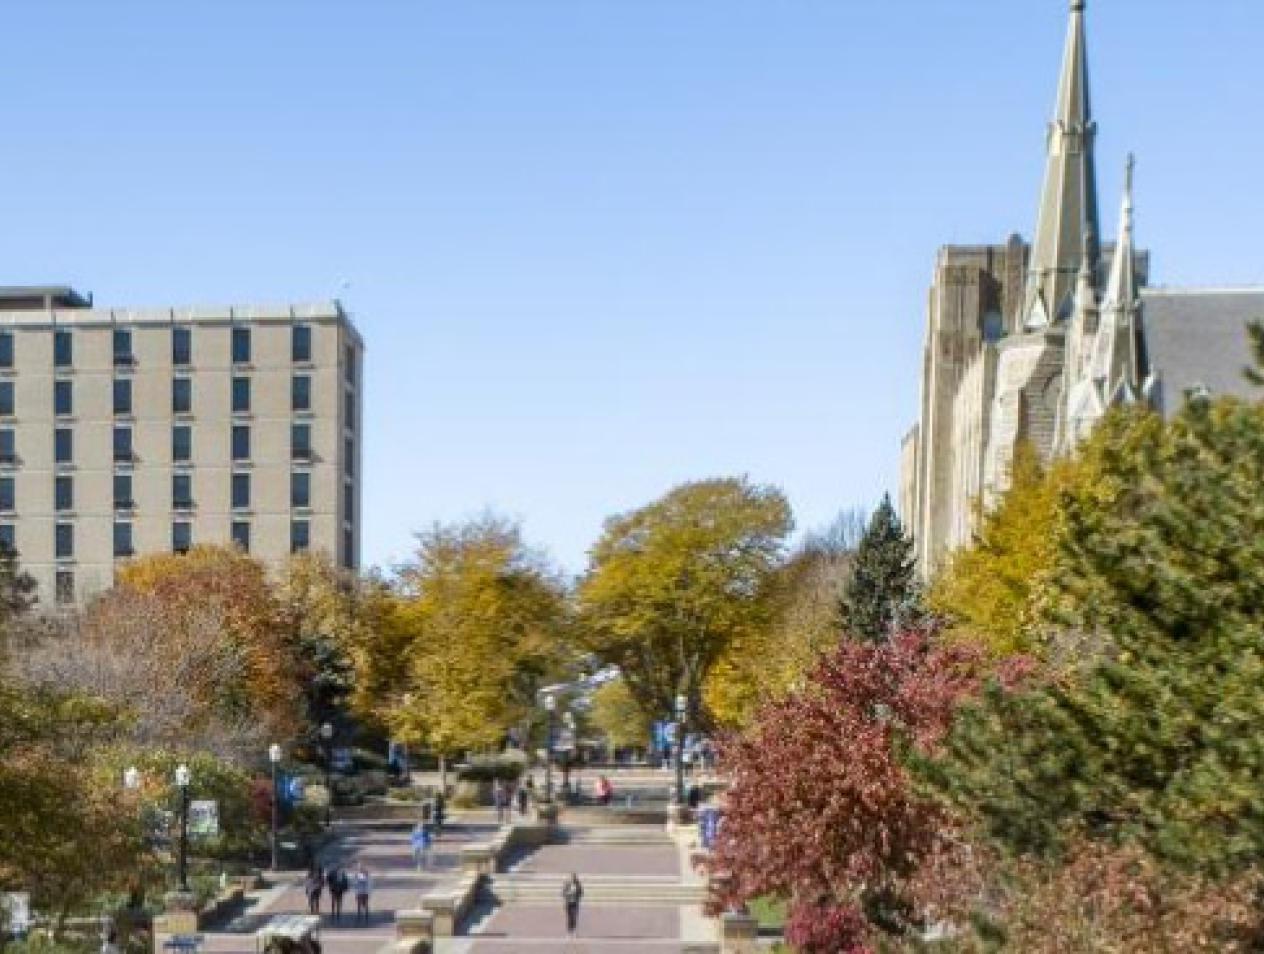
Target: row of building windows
{"x":181,"y":445}
{"x":181,"y":347}
{"x":181,"y":492}
{"x":181,"y":396}
{"x":181,"y":537}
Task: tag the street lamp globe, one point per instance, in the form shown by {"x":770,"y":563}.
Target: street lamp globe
{"x":681,"y":704}
{"x":550,"y":702}
{"x":326,"y":731}
{"x":131,"y":778}
{"x":274,"y":753}
{"x":569,"y":718}
{"x":183,"y":775}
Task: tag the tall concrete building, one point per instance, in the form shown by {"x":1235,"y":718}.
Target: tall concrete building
{"x":1032,"y":343}
{"x":126,"y":432}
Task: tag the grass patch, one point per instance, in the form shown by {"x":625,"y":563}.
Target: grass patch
{"x":770,"y":912}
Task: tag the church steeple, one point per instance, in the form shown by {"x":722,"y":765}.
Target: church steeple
{"x":1067,"y":223}
{"x":1115,"y":363}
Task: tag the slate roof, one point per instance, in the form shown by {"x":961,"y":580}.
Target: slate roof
{"x":1197,"y":338}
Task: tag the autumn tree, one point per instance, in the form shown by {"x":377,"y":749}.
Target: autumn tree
{"x":803,"y":625}
{"x":985,"y":590}
{"x":325,"y":609}
{"x":474,"y":629}
{"x":237,"y":588}
{"x":672,"y":585}
{"x":821,"y":810}
{"x":882,"y":592}
{"x":166,"y":665}
{"x":616,"y":714}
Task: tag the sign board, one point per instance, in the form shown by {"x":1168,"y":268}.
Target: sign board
{"x":203,"y":818}
{"x":566,"y":740}
{"x":16,"y":906}
{"x":342,"y":760}
{"x":708,"y":826}
{"x":187,"y":943}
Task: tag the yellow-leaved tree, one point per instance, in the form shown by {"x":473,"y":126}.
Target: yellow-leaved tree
{"x":473,"y":628}
{"x":672,"y":586}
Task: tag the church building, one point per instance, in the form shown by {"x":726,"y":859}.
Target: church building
{"x":1033,"y":342}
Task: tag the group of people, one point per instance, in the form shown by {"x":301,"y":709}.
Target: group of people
{"x":338,"y":883}
{"x":505,"y":798}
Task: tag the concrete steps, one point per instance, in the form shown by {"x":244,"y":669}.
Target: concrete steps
{"x":625,"y":835}
{"x":547,"y":889}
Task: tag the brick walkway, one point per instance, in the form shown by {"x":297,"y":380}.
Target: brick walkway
{"x":538,"y":928}
{"x":602,"y":860}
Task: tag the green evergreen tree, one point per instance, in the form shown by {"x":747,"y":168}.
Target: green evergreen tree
{"x":882,"y":592}
{"x":1153,"y":735}
{"x":1255,"y":336}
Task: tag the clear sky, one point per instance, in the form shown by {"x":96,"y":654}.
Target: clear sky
{"x":598,"y":247}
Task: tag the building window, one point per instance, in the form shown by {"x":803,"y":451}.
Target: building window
{"x":300,"y":489}
{"x":63,"y":493}
{"x":241,"y":534}
{"x":8,"y":494}
{"x":8,"y":446}
{"x":300,"y":536}
{"x":6,"y":398}
{"x":350,"y":409}
{"x":182,"y":491}
{"x":181,"y":346}
{"x":241,"y":491}
{"x":63,"y":397}
{"x":348,"y":461}
{"x":63,"y":445}
{"x":350,"y":367}
{"x":241,"y":442}
{"x":182,"y":396}
{"x":181,"y":536}
{"x":123,"y":348}
{"x":301,"y":441}
{"x":181,"y":443}
{"x":65,"y":586}
{"x":348,"y":548}
{"x":348,"y":501}
{"x":6,"y":349}
{"x":63,"y":349}
{"x":122,"y":444}
{"x":123,"y":492}
{"x":8,"y":537}
{"x":123,"y":538}
{"x":241,"y":346}
{"x":301,"y":393}
{"x":64,"y":541}
{"x":122,"y":396}
{"x":301,"y":343}
{"x":241,"y":395}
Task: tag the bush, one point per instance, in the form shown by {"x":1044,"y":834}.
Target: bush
{"x":507,"y":767}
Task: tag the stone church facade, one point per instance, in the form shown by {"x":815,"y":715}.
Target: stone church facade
{"x":1033,"y":342}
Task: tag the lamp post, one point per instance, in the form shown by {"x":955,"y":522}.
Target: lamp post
{"x":550,"y":705}
{"x":327,"y":736}
{"x":682,"y":705}
{"x":274,"y":756}
{"x":568,"y":752}
{"x":183,"y":777}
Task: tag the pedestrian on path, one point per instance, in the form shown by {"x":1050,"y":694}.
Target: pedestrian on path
{"x":572,"y":894}
{"x":362,"y":884}
{"x":337,"y":880}
{"x":500,"y":794}
{"x":314,"y":885}
{"x":522,"y":800}
{"x":421,"y":845}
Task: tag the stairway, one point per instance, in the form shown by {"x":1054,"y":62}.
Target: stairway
{"x":598,"y":889}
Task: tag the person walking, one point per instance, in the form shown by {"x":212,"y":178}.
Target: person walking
{"x":362,"y":885}
{"x":337,"y":880}
{"x":501,"y":798}
{"x":421,"y":845}
{"x":314,"y":885}
{"x":522,"y":800}
{"x":572,"y":894}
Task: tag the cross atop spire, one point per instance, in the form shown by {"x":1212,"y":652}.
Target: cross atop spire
{"x":1067,"y":221}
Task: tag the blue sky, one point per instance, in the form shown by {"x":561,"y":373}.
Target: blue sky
{"x":598,"y":247}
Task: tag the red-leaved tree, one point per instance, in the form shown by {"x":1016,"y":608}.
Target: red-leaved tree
{"x":820,"y":809}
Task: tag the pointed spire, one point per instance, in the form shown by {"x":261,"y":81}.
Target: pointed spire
{"x":1068,"y":203}
{"x":1115,"y":356}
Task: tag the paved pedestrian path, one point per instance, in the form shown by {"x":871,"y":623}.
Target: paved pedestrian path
{"x":385,"y":853}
